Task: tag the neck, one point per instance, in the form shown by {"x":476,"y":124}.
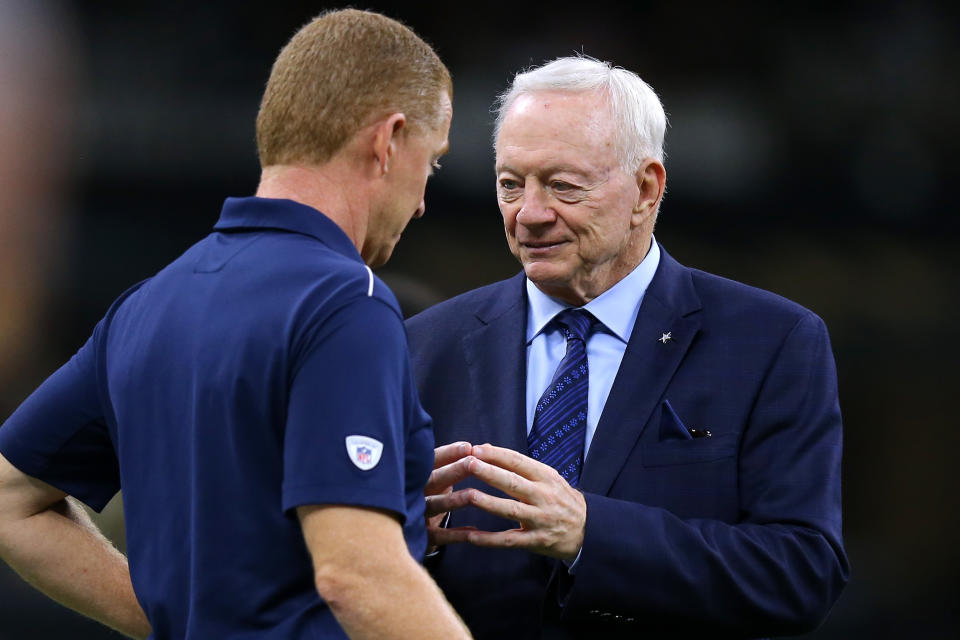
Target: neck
{"x":330,"y":188}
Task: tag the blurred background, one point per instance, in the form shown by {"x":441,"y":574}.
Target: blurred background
{"x":812,"y":152}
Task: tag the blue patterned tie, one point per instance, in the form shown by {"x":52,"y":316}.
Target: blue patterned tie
{"x":560,"y":420}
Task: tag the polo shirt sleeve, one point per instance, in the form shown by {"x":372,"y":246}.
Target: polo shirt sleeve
{"x":59,"y":435}
{"x":345,"y":430}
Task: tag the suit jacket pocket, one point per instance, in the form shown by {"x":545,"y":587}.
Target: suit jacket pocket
{"x":671,"y":452}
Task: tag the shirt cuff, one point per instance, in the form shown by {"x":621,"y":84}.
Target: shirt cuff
{"x":572,"y":564}
{"x":436,"y":551}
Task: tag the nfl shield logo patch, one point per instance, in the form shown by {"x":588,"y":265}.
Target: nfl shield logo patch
{"x":364,"y":452}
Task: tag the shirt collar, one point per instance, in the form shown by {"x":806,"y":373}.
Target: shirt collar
{"x":285,"y":215}
{"x":616,"y":308}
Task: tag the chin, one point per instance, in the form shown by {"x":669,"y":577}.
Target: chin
{"x":379,"y":260}
{"x":379,"y":253}
{"x":545,"y":275}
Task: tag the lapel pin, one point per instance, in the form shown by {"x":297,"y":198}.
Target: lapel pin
{"x":665,"y":338}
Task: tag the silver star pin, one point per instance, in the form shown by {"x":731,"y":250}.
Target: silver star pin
{"x":665,"y":338}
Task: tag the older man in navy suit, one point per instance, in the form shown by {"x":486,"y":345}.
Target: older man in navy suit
{"x":661,"y":446}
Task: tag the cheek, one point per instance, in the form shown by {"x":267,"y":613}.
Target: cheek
{"x":594,"y":233}
{"x":581,"y":221}
{"x":509,"y":214}
{"x":610,"y":222}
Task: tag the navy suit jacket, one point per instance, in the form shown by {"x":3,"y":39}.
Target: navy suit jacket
{"x":737,"y":534}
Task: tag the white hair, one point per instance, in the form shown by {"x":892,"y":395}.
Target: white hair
{"x":638,"y":116}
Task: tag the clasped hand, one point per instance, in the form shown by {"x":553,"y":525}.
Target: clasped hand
{"x":550,"y":513}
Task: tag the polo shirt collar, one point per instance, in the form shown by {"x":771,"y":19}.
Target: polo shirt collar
{"x":284,"y":215}
{"x":616,"y":308}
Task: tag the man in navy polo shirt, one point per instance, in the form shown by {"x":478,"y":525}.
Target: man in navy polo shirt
{"x":254,"y":398}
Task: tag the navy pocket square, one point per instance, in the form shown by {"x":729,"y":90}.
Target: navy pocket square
{"x":671,"y":427}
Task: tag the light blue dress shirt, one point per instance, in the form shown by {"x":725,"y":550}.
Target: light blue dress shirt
{"x":616,"y":309}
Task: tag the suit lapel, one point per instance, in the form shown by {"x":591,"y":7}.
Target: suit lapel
{"x":496,"y":362}
{"x":669,"y":307}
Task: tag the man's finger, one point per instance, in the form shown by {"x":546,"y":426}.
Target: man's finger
{"x":445,"y":454}
{"x":503,"y":507}
{"x":444,"y":502}
{"x":513,"y":461}
{"x":513,"y":484}
{"x":440,"y":536}
{"x":442,"y":478}
{"x":510,"y":539}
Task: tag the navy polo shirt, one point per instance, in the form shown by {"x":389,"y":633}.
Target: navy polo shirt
{"x":264,"y":369}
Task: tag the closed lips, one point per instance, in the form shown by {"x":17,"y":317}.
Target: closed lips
{"x":542,"y":245}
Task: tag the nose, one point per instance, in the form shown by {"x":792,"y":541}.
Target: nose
{"x":421,"y":209}
{"x":536,"y":208}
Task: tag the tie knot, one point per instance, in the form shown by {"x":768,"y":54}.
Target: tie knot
{"x":575,"y":323}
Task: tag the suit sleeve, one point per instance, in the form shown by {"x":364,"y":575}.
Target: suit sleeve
{"x":779,"y":569}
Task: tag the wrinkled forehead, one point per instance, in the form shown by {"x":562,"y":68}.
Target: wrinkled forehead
{"x":583,"y":109}
{"x":552,"y":118}
{"x":559,"y":99}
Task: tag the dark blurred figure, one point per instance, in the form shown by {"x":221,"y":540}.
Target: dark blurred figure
{"x":39,"y":94}
{"x":37,"y":122}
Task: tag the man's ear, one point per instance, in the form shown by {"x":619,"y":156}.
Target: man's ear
{"x":651,"y":181}
{"x":385,"y":136}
